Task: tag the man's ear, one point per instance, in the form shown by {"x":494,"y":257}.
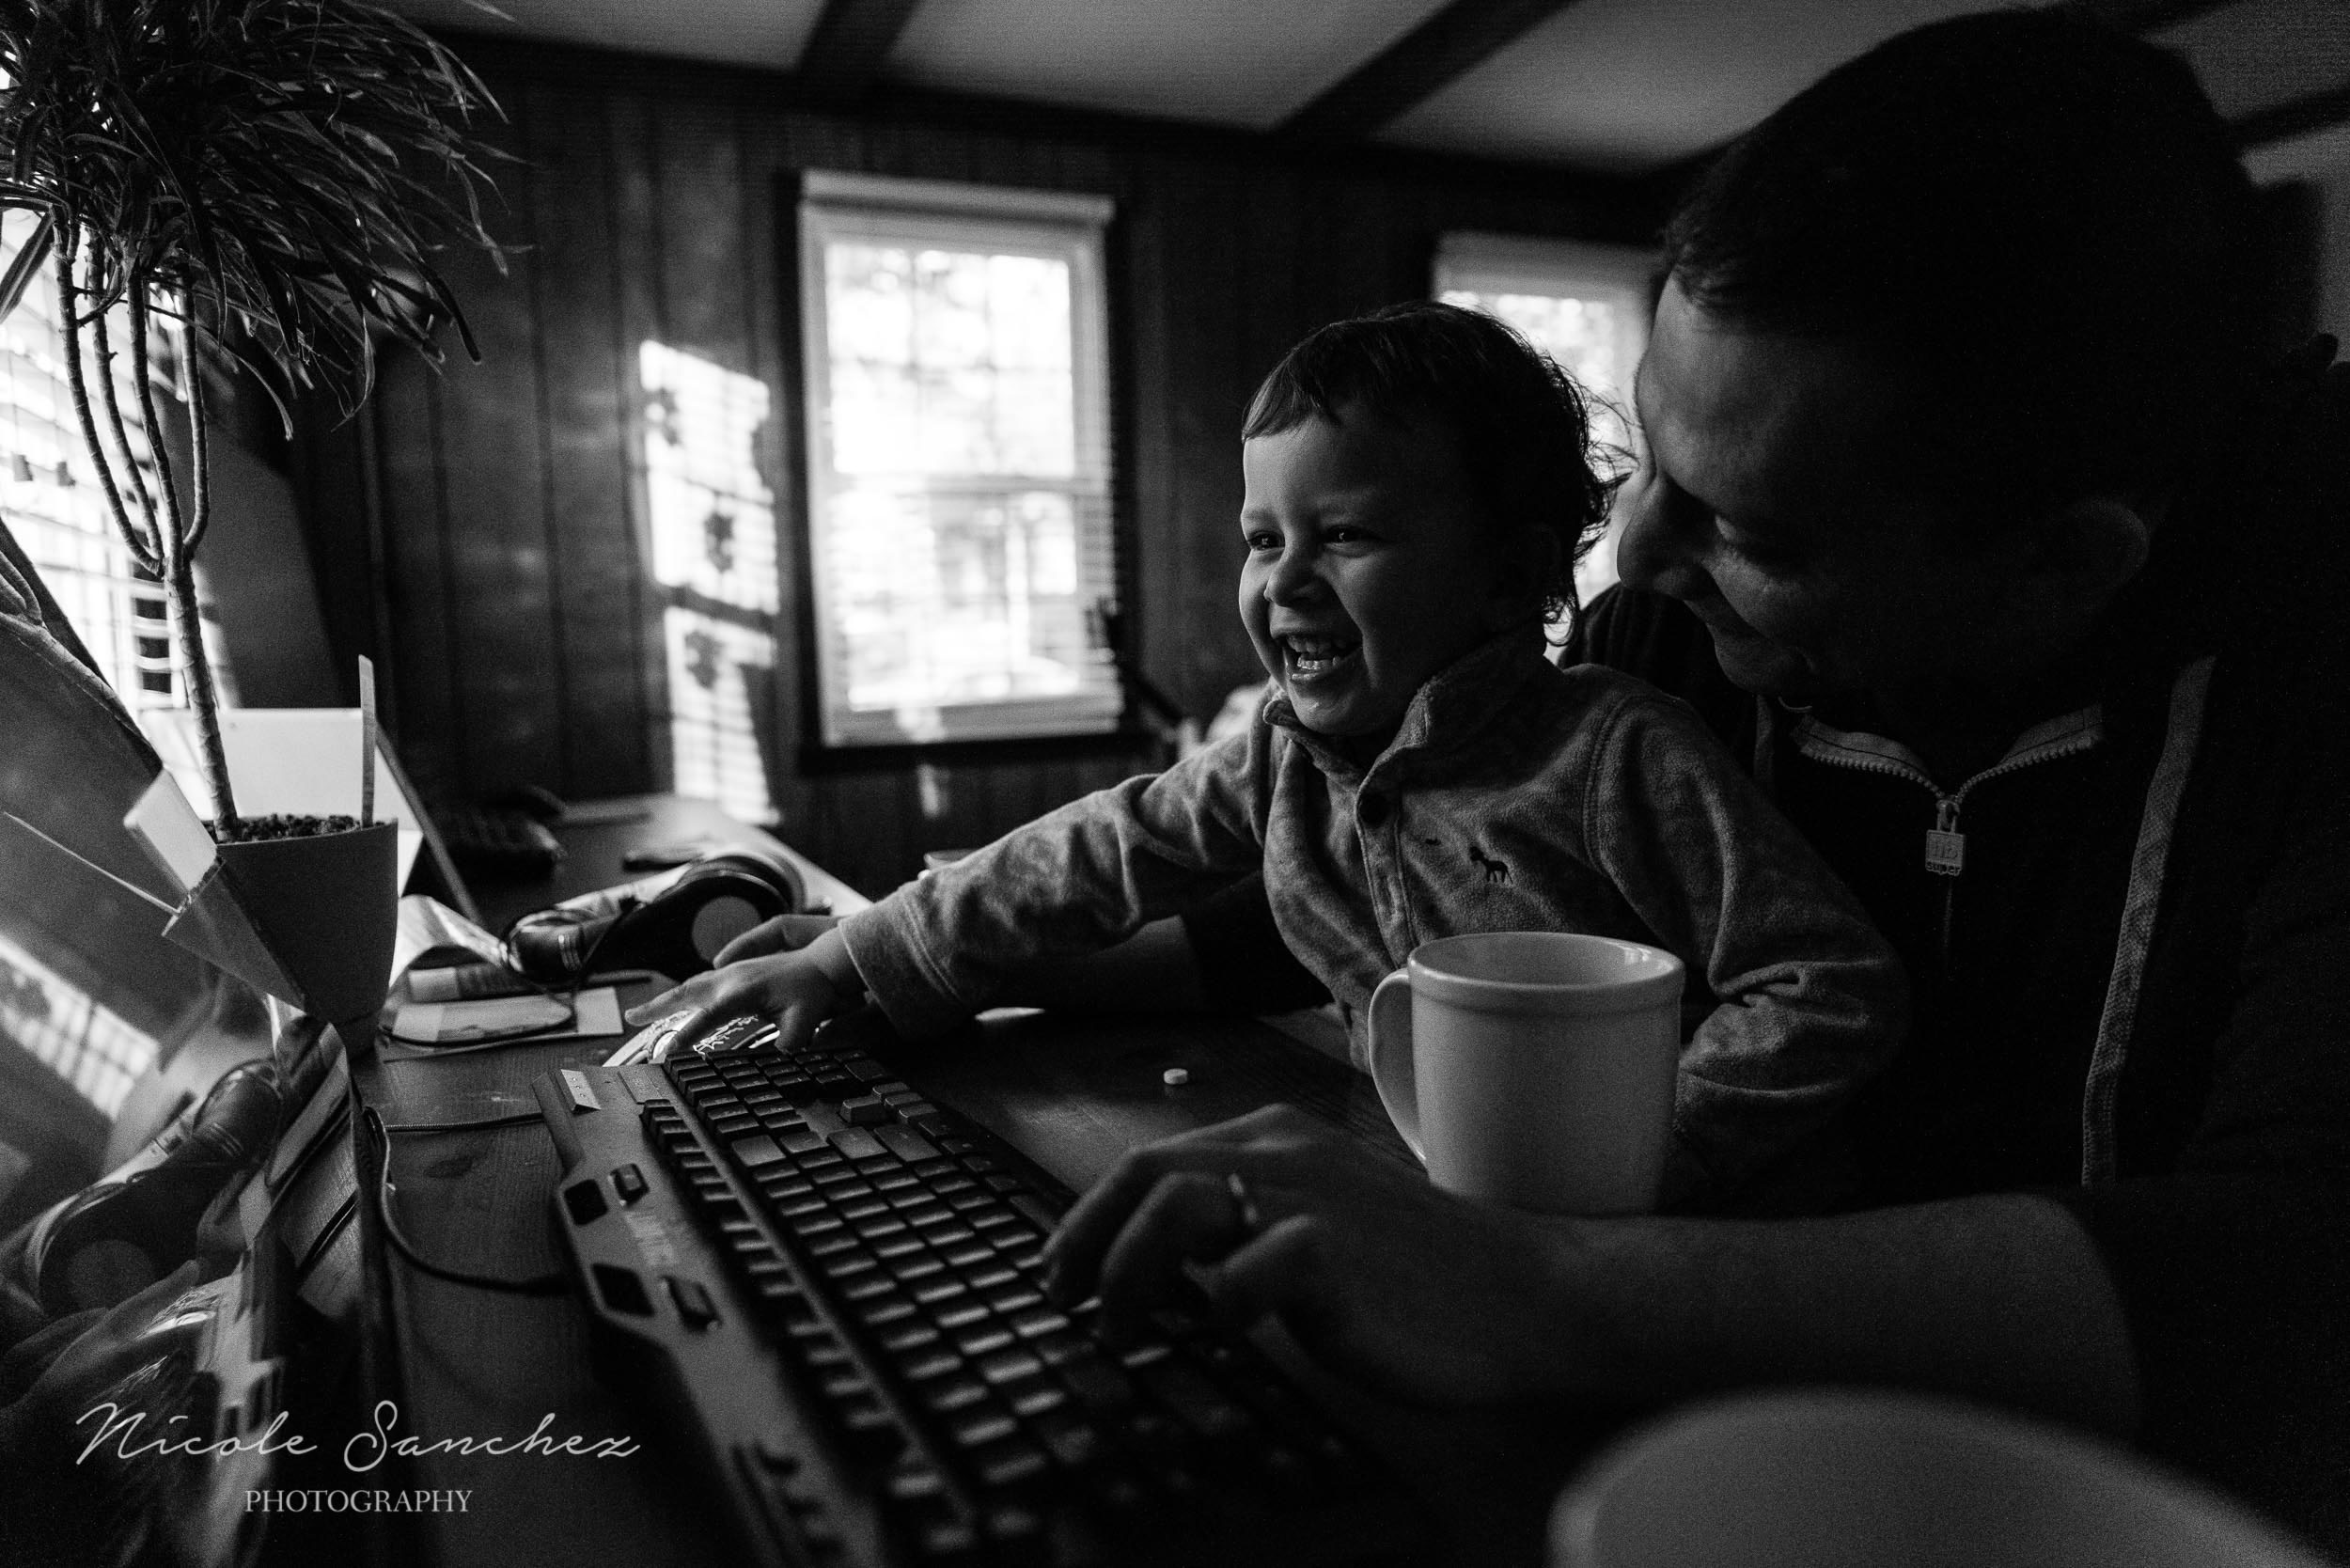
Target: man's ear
{"x":2083,"y":553}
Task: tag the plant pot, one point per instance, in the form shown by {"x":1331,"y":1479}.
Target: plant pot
{"x":308,"y":920}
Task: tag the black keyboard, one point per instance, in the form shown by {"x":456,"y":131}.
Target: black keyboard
{"x":830,"y":1285}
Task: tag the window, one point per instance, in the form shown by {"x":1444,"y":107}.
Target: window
{"x":50,"y":495}
{"x":1585,"y":306}
{"x":958,"y":454}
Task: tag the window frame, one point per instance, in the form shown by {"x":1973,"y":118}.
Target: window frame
{"x":1627,"y":277}
{"x":1063,"y":226}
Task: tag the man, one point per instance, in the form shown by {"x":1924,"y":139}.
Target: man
{"x":1973,"y":514}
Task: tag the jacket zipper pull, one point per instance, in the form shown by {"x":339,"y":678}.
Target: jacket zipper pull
{"x":1946,"y":846}
{"x":1945,"y":855}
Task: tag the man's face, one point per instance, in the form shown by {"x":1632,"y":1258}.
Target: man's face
{"x":1764,"y":505}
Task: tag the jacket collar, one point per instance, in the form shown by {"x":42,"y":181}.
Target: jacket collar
{"x":1447,"y":712}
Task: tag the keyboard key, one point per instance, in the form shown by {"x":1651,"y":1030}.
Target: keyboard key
{"x":755,"y":1150}
{"x":931,"y":1293}
{"x":881,"y":1311}
{"x":934,"y":1362}
{"x":961,"y":1248}
{"x":856,"y":1143}
{"x":800,"y":1140}
{"x":1019,"y":1299}
{"x":992,"y":1277}
{"x":888,"y":1247}
{"x":1006,"y":1365}
{"x":908,"y":1336}
{"x":961,"y":1315}
{"x":920,"y":1264}
{"x":1034,"y":1210}
{"x":1038,"y":1323}
{"x":865,"y":1069}
{"x":988,"y":1425}
{"x":1007,"y":1462}
{"x":911,"y":1484}
{"x":954,"y":1391}
{"x":1033,"y":1397}
{"x":982,"y":1338}
{"x":865,"y":1110}
{"x":905,"y":1143}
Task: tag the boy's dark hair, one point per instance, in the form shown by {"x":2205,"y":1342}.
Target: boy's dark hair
{"x":1522,"y":426}
{"x":2039,"y":219}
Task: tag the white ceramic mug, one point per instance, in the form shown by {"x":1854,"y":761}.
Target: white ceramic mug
{"x":1533,"y":1068}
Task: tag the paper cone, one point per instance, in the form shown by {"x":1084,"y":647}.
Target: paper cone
{"x":307,"y":920}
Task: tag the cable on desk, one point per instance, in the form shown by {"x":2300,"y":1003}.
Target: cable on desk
{"x":539,"y":1284}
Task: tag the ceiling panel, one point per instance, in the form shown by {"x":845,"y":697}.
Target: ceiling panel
{"x":1247,"y":63}
{"x":2260,"y":53}
{"x":1630,"y":86}
{"x":767,"y":33}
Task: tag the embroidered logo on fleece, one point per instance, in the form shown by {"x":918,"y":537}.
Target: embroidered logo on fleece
{"x":1495,"y":871}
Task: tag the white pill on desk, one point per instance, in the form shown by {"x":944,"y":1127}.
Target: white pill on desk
{"x":1175,"y":1078}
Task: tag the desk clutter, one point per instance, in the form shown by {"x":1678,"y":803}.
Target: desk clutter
{"x":834,"y":1283}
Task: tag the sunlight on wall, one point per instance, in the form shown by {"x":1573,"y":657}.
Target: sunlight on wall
{"x":713,"y":520}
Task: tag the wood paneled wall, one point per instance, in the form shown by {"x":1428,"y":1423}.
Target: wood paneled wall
{"x":483,"y":532}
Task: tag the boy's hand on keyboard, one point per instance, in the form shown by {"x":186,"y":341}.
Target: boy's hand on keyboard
{"x":797,"y":989}
{"x":1377,"y":1273}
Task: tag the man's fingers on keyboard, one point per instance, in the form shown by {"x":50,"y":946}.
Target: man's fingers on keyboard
{"x":1187,"y":1216}
{"x":1076,"y":1255}
{"x":1272,"y":1274}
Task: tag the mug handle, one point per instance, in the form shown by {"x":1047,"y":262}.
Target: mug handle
{"x":1390,"y":1038}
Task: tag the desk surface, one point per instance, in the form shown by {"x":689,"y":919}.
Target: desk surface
{"x":1072,"y":1093}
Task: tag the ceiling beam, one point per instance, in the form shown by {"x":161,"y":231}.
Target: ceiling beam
{"x":2146,"y":16}
{"x":2295,"y":117}
{"x":845,"y":49}
{"x":1448,"y":45}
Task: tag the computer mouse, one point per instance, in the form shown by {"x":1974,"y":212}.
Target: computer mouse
{"x":652,"y":1043}
{"x":659,"y":1039}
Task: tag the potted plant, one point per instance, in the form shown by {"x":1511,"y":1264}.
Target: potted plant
{"x":276,"y":175}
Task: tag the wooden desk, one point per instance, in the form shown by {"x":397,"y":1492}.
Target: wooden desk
{"x":1072,"y":1093}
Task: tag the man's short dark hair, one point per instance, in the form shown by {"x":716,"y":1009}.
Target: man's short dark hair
{"x":2041,"y":216}
{"x":1521,"y":424}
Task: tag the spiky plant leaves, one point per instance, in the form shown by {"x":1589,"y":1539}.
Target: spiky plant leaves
{"x":280,"y":172}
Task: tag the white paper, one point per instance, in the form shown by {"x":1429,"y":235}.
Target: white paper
{"x":295,"y":761}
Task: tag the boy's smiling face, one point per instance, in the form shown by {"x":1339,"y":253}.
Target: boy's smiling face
{"x":1369,"y":569}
